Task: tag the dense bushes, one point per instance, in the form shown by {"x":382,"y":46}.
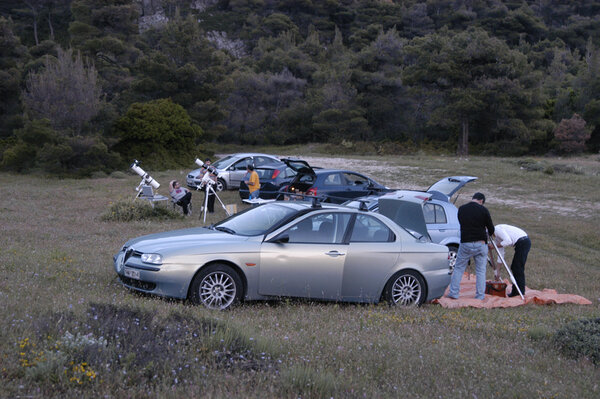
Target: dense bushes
{"x":160,"y":132}
{"x":38,"y":146}
{"x":580,"y":338}
{"x":134,"y":210}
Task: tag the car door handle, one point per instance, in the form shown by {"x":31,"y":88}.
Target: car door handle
{"x":334,"y":253}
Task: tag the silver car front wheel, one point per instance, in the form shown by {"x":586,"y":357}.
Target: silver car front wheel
{"x":406,"y":288}
{"x":216,"y":287}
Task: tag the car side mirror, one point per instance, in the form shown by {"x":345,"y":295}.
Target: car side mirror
{"x":281,"y":239}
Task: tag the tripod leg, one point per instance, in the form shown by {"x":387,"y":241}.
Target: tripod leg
{"x":512,"y":278}
{"x":222,"y":204}
{"x":206,"y":201}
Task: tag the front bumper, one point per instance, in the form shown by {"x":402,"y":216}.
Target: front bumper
{"x":168,"y":280}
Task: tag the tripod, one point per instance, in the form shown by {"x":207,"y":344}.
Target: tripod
{"x":497,"y":268}
{"x":207,"y":186}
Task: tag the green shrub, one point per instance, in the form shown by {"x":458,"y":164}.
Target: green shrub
{"x":133,"y":210}
{"x":159,"y":132}
{"x":567,"y":169}
{"x":580,"y":338}
{"x":38,"y":146}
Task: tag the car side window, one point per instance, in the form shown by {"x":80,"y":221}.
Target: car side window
{"x":370,"y":229}
{"x":307,"y":179}
{"x":262,"y":161}
{"x":324,"y":228}
{"x":264,"y":174}
{"x":353,"y":179}
{"x":333,"y":179}
{"x":289,"y":172}
{"x":241,"y":165}
{"x":440,"y":215}
{"x":429,"y":213}
{"x":434,"y":214}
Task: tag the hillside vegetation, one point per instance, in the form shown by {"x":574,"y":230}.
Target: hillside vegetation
{"x":89,"y":84}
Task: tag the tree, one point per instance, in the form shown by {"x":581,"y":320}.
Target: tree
{"x":181,"y":64}
{"x":571,"y":135}
{"x":484,"y":85}
{"x":160,"y":133}
{"x":257,"y":102}
{"x":379,"y":84}
{"x":40,"y":10}
{"x":66,"y":92}
{"x":13,"y":56}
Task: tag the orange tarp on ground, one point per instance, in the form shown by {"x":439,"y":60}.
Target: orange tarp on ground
{"x":467,"y":297}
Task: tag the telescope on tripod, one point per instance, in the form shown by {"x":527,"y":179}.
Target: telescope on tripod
{"x":207,"y":185}
{"x":147,"y":180}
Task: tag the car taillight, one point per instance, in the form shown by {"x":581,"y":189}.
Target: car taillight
{"x":311,"y":191}
{"x":275,"y":173}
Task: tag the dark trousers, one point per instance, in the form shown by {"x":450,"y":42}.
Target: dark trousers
{"x":210,"y":204}
{"x":522,"y":247}
{"x":185,"y":202}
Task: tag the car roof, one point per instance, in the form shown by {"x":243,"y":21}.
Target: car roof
{"x":323,"y":171}
{"x":251,"y":154}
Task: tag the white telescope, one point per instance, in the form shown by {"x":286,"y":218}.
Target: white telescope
{"x":210,"y":168}
{"x":146,"y":178}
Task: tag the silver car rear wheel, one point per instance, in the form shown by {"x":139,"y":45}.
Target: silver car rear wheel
{"x":405,"y":289}
{"x":452,"y":251}
{"x":216,"y":287}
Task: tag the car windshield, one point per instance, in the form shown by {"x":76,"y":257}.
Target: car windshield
{"x":256,"y":221}
{"x":222,"y":162}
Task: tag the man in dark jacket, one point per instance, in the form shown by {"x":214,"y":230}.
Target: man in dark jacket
{"x":475,"y":225}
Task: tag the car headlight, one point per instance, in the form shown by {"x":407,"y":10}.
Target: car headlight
{"x":155,"y":259}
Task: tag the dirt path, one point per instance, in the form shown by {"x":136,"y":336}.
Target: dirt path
{"x":404,"y":177}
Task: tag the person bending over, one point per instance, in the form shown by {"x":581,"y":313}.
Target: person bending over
{"x":506,"y":235}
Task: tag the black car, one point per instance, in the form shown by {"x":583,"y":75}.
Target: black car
{"x":337,"y":185}
{"x":272,"y":178}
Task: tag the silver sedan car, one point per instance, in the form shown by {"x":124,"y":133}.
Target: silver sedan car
{"x":231,"y":169}
{"x":289,"y":249}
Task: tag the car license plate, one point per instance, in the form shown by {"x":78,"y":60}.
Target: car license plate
{"x":132,"y":273}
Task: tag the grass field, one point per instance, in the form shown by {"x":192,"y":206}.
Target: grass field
{"x":69,"y":329}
